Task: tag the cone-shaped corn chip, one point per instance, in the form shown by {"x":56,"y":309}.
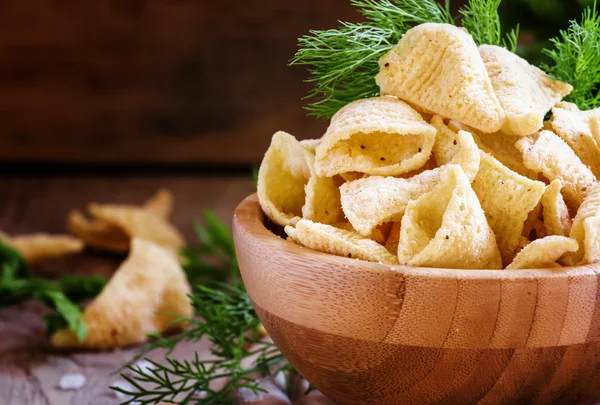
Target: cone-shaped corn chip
{"x":437,"y":67}
{"x":374,"y":200}
{"x":543,"y":253}
{"x":282,"y":176}
{"x":328,"y":239}
{"x":525,"y":92}
{"x":459,"y":148}
{"x":581,"y":131}
{"x":322,"y":197}
{"x":500,"y":146}
{"x":557,"y":219}
{"x":146,"y":294}
{"x":534,"y":223}
{"x":546,"y":153}
{"x":585,"y":229}
{"x":38,"y":247}
{"x":507,"y":199}
{"x":379,"y":136}
{"x":105,"y":235}
{"x":139,"y":223}
{"x":447,"y":228}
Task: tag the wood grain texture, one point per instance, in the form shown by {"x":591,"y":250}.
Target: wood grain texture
{"x":154,"y":80}
{"x":365,"y":333}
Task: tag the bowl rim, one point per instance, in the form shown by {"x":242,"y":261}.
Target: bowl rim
{"x":250,"y":218}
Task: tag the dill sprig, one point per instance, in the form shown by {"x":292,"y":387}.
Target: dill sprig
{"x":343,"y":62}
{"x":481,"y":19}
{"x":576,"y":58}
{"x":224,"y":315}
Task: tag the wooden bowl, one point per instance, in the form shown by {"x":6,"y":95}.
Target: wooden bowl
{"x":366,"y":333}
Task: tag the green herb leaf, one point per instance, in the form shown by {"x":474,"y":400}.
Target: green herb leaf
{"x":68,"y":311}
{"x":576,"y":59}
{"x":481,"y":19}
{"x":343,"y":62}
{"x":81,"y":288}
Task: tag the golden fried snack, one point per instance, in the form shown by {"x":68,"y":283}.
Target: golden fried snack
{"x":328,"y":239}
{"x":447,"y":228}
{"x":548,"y":154}
{"x":525,"y":92}
{"x":378,"y":136}
{"x":437,"y":67}
{"x":507,"y":199}
{"x":39,"y":247}
{"x":543,"y":253}
{"x":282,"y":177}
{"x":147,"y":294}
{"x":581,"y":130}
{"x":322,"y":202}
{"x":585,"y":230}
{"x":557,"y":219}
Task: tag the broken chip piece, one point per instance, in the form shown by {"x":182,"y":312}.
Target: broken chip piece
{"x":39,"y":247}
{"x":525,"y":92}
{"x":447,"y":228}
{"x":543,"y":253}
{"x":377,"y":136}
{"x":147,"y":294}
{"x":548,"y":154}
{"x":437,"y":67}
{"x":328,"y":239}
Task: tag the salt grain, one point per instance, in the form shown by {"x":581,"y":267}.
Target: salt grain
{"x":71,"y":382}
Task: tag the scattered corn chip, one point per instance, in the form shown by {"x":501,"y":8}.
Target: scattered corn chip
{"x":543,"y":253}
{"x":105,"y":235}
{"x":580,"y":130}
{"x":328,"y":239}
{"x":546,"y":153}
{"x":39,"y":247}
{"x":525,"y":92}
{"x":378,"y":136}
{"x":160,"y":204}
{"x":438,"y":68}
{"x":282,"y":176}
{"x":557,"y":219}
{"x":96,"y":233}
{"x":584,"y":230}
{"x":146,"y":294}
{"x":394,"y":238}
{"x":322,"y":198}
{"x":139,"y":223}
{"x":507,"y":199}
{"x":447,"y":228}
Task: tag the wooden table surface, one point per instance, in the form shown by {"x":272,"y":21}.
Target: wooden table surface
{"x":29,"y":368}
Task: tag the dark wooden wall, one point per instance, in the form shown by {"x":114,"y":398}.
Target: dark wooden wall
{"x":142,"y":81}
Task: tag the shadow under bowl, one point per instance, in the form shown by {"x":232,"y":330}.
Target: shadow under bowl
{"x":368,"y":333}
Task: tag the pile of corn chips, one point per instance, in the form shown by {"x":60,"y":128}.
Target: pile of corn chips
{"x":149,"y":291}
{"x":453,"y":166}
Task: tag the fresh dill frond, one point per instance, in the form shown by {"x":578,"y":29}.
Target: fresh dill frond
{"x":226,"y":317}
{"x":576,"y":58}
{"x":343,"y":62}
{"x":481,"y":19}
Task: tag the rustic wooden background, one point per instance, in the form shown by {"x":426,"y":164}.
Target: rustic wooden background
{"x":166,"y":81}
